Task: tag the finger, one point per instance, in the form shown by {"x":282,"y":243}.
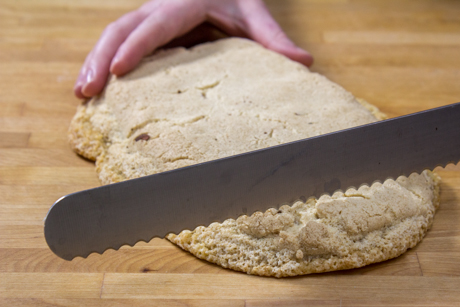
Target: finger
{"x":261,"y":27}
{"x":167,"y":21}
{"x":251,"y":19}
{"x":81,"y":78}
{"x":95,"y":71}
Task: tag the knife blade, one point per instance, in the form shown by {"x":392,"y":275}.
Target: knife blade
{"x":152,"y":206}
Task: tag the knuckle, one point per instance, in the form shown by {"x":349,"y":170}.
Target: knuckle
{"x":123,"y":21}
{"x":137,"y":14}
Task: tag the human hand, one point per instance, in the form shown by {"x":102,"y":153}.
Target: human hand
{"x":126,"y":41}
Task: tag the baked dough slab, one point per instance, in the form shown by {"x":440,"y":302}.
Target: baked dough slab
{"x":181,"y":107}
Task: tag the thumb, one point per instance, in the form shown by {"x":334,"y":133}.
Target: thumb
{"x":261,"y":27}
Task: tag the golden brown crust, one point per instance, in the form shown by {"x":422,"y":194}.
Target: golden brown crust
{"x":83,"y":138}
{"x":373,"y":109}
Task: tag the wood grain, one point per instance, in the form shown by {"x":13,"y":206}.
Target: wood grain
{"x":63,"y":285}
{"x":392,"y":38}
{"x":241,"y":286}
{"x":78,"y":302}
{"x":14,"y":140}
{"x":402,"y":56}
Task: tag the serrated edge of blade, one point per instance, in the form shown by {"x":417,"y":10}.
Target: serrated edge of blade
{"x":406,"y":174}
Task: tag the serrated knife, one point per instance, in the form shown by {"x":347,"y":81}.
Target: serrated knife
{"x":153,"y":206}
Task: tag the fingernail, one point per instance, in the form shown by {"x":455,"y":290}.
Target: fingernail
{"x":77,"y":89}
{"x":89,"y":76}
{"x":89,"y":79}
{"x":115,"y":60}
{"x":113,"y":66}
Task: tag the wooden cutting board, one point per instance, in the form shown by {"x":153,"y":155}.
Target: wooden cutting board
{"x":402,"y":56}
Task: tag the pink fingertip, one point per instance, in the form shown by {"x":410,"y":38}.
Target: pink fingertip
{"x":86,"y":90}
{"x":77,"y":90}
{"x":304,"y":57}
{"x":294,"y":53}
{"x":118,"y":67}
{"x":114,"y":67}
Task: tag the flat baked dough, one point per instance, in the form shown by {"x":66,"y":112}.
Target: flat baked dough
{"x":182,"y":107}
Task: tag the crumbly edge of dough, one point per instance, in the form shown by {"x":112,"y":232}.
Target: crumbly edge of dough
{"x":400,"y":237}
{"x":83,"y":138}
{"x":373,"y":109}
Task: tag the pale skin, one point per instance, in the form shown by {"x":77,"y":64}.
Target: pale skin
{"x":136,"y":34}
